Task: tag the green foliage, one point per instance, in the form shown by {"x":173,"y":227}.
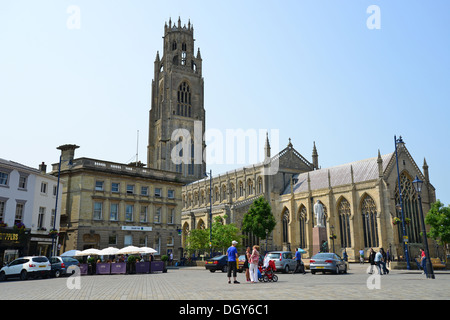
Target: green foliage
{"x":197,"y":240}
{"x":223,"y":234}
{"x":259,"y":218}
{"x":439,"y":220}
{"x":131,"y":259}
{"x":164,"y":257}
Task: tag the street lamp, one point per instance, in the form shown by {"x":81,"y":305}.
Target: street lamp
{"x":332,"y":236}
{"x":408,"y":266}
{"x":418,"y":186}
{"x":210,"y":211}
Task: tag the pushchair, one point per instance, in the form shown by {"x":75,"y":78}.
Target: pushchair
{"x":267,"y":272}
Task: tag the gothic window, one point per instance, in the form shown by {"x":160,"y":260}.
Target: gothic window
{"x":344,"y":223}
{"x":216,"y":194}
{"x":224,"y":192}
{"x":260,"y":185}
{"x":201,"y":225}
{"x":286,"y":226}
{"x":183,"y":54}
{"x":241,"y":189}
{"x":370,"y":225}
{"x":174,"y":45}
{"x":410,"y":210}
{"x":184,"y":100}
{"x":302,"y":225}
{"x":249,"y":187}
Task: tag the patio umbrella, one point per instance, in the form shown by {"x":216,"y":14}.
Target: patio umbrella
{"x":130,"y":250}
{"x":108,"y":251}
{"x":70,"y":253}
{"x":148,"y":250}
{"x":88,"y":252}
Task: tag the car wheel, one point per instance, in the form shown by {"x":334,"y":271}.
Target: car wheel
{"x":313,"y":271}
{"x":23,"y":275}
{"x":2,"y":276}
{"x":286,"y":269}
{"x":57,"y":273}
{"x":337,"y":270}
{"x":212,"y":270}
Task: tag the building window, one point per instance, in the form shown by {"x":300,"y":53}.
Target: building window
{"x":98,"y":207}
{"x":143,"y":217}
{"x":410,"y":210}
{"x":130,"y":189}
{"x":112,"y":239}
{"x":171,"y":216}
{"x":241,"y":189}
{"x":286,"y":226}
{"x":370,"y":225}
{"x":260,"y":185}
{"x":4,"y":178}
{"x":19,"y":213}
{"x":52,"y":219}
{"x":115,"y":187}
{"x":302,"y":225}
{"x":249,"y":187}
{"x":2,"y":211}
{"x":184,"y":105}
{"x":114,"y":212}
{"x":129,"y":212}
{"x":128,"y":240}
{"x":344,"y":223}
{"x":44,"y":187}
{"x":171,"y":194}
{"x":144,"y":191}
{"x":170,"y":241}
{"x":41,"y":216}
{"x":98,"y":185}
{"x":22,"y":182}
{"x":157,"y":217}
{"x":158,"y":192}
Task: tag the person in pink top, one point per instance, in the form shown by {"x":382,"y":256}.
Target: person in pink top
{"x":253,"y":262}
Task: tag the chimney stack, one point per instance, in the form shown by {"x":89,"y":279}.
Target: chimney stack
{"x":43,"y":168}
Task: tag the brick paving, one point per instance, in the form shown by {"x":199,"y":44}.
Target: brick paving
{"x":196,"y":283}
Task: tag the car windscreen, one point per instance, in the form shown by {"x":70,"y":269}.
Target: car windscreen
{"x":273,"y":256}
{"x":39,"y":259}
{"x":67,"y":259}
{"x":323,"y":256}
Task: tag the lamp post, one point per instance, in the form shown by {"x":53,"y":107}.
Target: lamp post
{"x":332,"y":236}
{"x":418,"y":186}
{"x":408,"y":266}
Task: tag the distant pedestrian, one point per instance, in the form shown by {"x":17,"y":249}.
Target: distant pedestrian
{"x":388,"y":258}
{"x":345,"y":258}
{"x":232,"y":258}
{"x":361,"y":256}
{"x":254,"y":261}
{"x":377,"y":259}
{"x":300,"y":266}
{"x":371,"y":260}
{"x":423,"y":261}
{"x":246,"y":267}
{"x":383,"y":261}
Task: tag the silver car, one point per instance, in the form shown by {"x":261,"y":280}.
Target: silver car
{"x":284,"y":260}
{"x":330,"y":262}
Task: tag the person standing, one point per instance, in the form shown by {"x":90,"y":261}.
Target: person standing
{"x":377,"y":259}
{"x":232,"y":258}
{"x":361,"y":256}
{"x":345,"y":258}
{"x":254,"y":260}
{"x":248,"y":253}
{"x":299,"y":267}
{"x":371,"y":260}
{"x":383,"y":261}
{"x":423,"y":261}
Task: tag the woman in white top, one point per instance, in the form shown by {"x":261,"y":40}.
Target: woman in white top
{"x":253,"y":262}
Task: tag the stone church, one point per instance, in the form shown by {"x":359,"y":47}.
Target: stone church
{"x":360,"y":199}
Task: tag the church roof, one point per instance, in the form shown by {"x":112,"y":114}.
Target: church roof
{"x":363,"y":170}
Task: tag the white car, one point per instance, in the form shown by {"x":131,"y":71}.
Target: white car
{"x":25,"y":267}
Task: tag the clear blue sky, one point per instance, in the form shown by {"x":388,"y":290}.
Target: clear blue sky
{"x":311,"y":69}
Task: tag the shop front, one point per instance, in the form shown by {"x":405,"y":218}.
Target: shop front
{"x":13,"y":244}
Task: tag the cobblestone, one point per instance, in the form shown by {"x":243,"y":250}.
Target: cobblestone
{"x":195,"y":283}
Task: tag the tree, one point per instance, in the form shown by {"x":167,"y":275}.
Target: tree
{"x":223,"y":234}
{"x":259,"y":219}
{"x":197,"y":240}
{"x":439,"y":220}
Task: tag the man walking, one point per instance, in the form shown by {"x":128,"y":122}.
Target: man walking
{"x":232,"y":258}
{"x":299,"y":267}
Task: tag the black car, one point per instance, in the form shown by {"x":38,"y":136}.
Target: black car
{"x":217,"y":263}
{"x":63,"y":266}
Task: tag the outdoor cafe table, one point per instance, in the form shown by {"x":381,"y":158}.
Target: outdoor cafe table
{"x":104,"y":268}
{"x":143,"y":267}
{"x":118,"y":267}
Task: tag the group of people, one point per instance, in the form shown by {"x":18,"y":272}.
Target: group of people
{"x":378,"y":259}
{"x":250,"y":265}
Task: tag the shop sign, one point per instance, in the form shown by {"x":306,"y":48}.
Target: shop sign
{"x":136,"y":228}
{"x":8,"y":236}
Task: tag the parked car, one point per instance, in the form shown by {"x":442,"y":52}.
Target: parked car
{"x":217,"y":263}
{"x":26,"y":267}
{"x":330,"y":262}
{"x":63,"y":265}
{"x":284,"y":260}
{"x":241,"y":263}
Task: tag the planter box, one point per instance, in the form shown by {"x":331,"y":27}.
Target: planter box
{"x":143,"y":267}
{"x":118,"y":268}
{"x":157,"y":266}
{"x":103,"y":268}
{"x":83,"y":268}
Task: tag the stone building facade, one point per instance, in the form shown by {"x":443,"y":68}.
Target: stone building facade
{"x":106,"y":204}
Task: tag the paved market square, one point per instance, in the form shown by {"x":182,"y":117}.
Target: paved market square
{"x":196,"y":283}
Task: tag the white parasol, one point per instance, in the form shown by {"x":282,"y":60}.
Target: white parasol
{"x":88,"y":252}
{"x":130,"y":250}
{"x":148,"y":250}
{"x":108,"y":251}
{"x":70,"y":253}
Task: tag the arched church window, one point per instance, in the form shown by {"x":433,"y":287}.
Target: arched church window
{"x":410,"y":209}
{"x":174,"y":45}
{"x":286,"y":226}
{"x":302,"y":224}
{"x":184,"y":100}
{"x":370,"y":224}
{"x":344,"y":223}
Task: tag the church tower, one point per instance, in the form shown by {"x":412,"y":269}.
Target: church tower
{"x":177,"y":103}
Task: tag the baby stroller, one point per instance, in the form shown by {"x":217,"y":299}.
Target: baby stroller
{"x":268,"y":272}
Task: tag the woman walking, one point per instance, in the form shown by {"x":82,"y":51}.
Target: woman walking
{"x":254,"y":260}
{"x":246,"y":267}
